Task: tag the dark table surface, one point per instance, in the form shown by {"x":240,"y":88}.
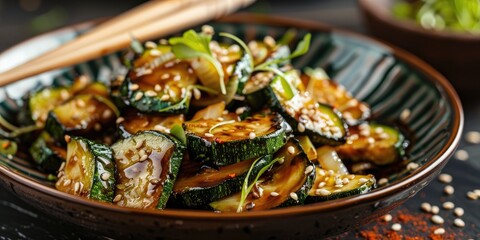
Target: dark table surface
{"x":22,"y":19}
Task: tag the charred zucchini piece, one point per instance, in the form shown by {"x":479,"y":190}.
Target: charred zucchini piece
{"x":159,"y":85}
{"x":80,"y":116}
{"x":320,"y":122}
{"x":8,"y":147}
{"x":135,"y":122}
{"x":376,"y":143}
{"x":95,"y":88}
{"x":89,"y":170}
{"x":198,"y":185}
{"x":329,"y":186}
{"x":46,"y":154}
{"x":45,"y":100}
{"x":263,"y":52}
{"x":147,"y":166}
{"x":228,"y":142}
{"x":286,"y":184}
{"x":328,"y":92}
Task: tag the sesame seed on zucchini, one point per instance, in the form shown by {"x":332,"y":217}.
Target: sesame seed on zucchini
{"x":376,"y":143}
{"x":147,"y":166}
{"x":89,"y":170}
{"x":228,"y":142}
{"x":287,"y":183}
{"x":134,"y":121}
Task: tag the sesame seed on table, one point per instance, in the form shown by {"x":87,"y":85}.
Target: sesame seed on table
{"x":453,"y":196}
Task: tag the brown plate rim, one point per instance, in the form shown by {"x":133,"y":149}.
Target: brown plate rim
{"x":423,"y":172}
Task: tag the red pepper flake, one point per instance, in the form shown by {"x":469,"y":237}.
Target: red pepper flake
{"x":232,"y":175}
{"x":6,"y":144}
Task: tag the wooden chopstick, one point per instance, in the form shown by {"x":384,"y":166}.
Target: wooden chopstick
{"x":192,"y":14}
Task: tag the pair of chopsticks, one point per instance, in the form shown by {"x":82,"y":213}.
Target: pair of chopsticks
{"x":154,"y":19}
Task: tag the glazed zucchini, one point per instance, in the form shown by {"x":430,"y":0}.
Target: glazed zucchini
{"x":329,"y":186}
{"x":376,"y":143}
{"x":82,"y":115}
{"x":320,"y":122}
{"x":46,"y":154}
{"x":147,"y":166}
{"x":328,"y":92}
{"x":159,"y":84}
{"x":198,"y":185}
{"x":286,"y":184}
{"x":328,"y":159}
{"x":135,"y":121}
{"x":45,"y":100}
{"x":228,"y":142}
{"x":89,"y":170}
{"x":267,"y":50}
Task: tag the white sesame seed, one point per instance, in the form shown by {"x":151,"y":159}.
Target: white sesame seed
{"x":197,"y":94}
{"x":67,"y":182}
{"x":459,"y":222}
{"x":80,"y":103}
{"x":426,"y":207}
{"x":473,"y":137}
{"x":163,"y":41}
{"x":61,"y":173}
{"x":322,"y":192}
{"x":301,"y":127}
{"x":274,"y":194}
{"x":139,"y":144}
{"x":362,"y":180}
{"x":291,"y":150}
{"x":461,"y":155}
{"x":405,"y":115}
{"x":76,"y":187}
{"x":143,"y":158}
{"x":449,"y":190}
{"x":412,"y":166}
{"x":107,"y":114}
{"x":294,"y":196}
{"x":155,"y":52}
{"x":371,"y":140}
{"x":165,"y":97}
{"x":445,"y":178}
{"x":458,"y":211}
{"x":382,"y":181}
{"x":252,"y":135}
{"x":396,"y":227}
{"x":150,"y":44}
{"x":117,"y":198}
{"x":270,"y":41}
{"x":309,"y":169}
{"x":322,"y":184}
{"x":105,"y":176}
{"x":472,"y":195}
{"x":477,"y":191}
{"x":150,"y":93}
{"x":439,"y":231}
{"x":62,"y":166}
{"x":339,"y":185}
{"x":387,"y":218}
{"x":138,"y":96}
{"x":208,"y":135}
{"x":345,"y":181}
{"x":321,"y":172}
{"x":437,"y":219}
{"x":120,"y":120}
{"x":134,"y":87}
{"x":154,"y":181}
{"x":330,"y":172}
{"x":435,"y":209}
{"x":448,"y":205}
{"x":207,"y":29}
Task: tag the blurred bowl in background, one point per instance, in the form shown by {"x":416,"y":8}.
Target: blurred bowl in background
{"x":456,"y":55}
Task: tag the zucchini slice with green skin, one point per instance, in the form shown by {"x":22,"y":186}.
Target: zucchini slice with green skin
{"x":375,"y":143}
{"x":147,"y":166}
{"x":320,"y":122}
{"x":286,"y":184}
{"x":197,"y":186}
{"x":159,"y":88}
{"x":80,"y":116}
{"x":228,"y":142}
{"x":45,"y":100}
{"x":89,"y":170}
{"x":332,"y":185}
{"x":135,"y":122}
{"x":46,"y":154}
{"x":328,"y":92}
{"x":328,"y":159}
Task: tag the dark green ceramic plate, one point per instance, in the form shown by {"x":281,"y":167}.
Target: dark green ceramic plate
{"x":389,"y":79}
